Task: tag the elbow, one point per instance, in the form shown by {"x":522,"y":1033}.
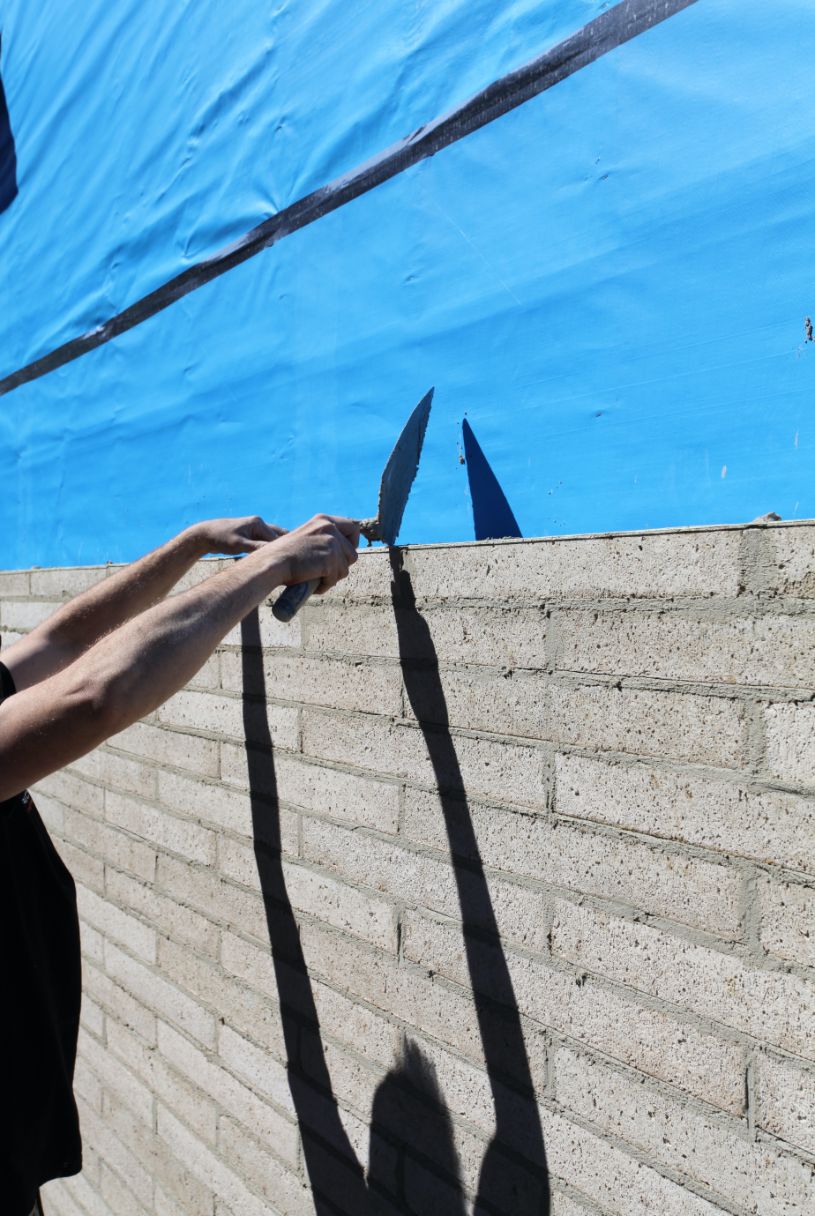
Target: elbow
{"x":104,"y":703}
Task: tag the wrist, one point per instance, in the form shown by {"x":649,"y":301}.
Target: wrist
{"x":197,"y":541}
{"x":272,"y":563}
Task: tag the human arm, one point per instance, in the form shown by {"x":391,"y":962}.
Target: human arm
{"x":130,"y":672}
{"x":77,"y":625}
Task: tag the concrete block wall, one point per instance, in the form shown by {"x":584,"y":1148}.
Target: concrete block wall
{"x":486,"y":884}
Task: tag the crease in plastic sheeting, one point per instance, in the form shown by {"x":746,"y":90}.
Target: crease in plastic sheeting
{"x":625,"y":21}
{"x":8,"y":152}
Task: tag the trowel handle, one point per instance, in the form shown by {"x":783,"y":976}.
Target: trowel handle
{"x":291,"y":601}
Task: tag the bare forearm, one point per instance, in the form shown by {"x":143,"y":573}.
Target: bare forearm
{"x":127,"y":674}
{"x":153,"y":656}
{"x":107,"y":605}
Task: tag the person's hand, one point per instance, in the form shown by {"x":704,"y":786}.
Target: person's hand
{"x":324,"y":548}
{"x":234,"y":536}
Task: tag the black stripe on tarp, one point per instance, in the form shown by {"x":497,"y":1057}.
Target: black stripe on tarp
{"x":611,"y":29}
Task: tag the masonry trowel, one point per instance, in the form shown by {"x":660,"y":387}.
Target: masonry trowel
{"x":394,"y":488}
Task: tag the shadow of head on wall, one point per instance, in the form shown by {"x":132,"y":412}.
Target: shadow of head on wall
{"x":413,"y":1163}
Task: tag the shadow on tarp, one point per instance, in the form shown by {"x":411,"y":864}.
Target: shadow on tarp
{"x":8,"y":153}
{"x":413,"y":1165}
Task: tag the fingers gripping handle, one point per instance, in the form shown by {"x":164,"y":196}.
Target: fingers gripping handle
{"x":291,"y":601}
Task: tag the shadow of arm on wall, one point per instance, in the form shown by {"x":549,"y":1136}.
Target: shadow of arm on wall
{"x":502,"y":1186}
{"x":413,"y":1166}
{"x":8,"y":153}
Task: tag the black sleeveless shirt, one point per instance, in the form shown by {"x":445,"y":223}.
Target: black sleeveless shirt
{"x":39,"y":1006}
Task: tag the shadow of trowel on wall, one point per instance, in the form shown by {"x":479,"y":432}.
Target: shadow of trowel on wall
{"x":492,"y":515}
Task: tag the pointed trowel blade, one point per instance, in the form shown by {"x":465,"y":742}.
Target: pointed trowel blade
{"x":400,"y":471}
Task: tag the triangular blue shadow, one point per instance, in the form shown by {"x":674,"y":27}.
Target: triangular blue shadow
{"x":492,"y":514}
{"x":8,"y":154}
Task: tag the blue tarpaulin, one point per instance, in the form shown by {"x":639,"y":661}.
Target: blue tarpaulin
{"x":611,"y":280}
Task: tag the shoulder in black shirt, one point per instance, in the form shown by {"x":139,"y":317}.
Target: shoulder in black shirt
{"x":39,"y":1012}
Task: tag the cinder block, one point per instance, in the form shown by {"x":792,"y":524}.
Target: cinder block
{"x":282,"y":1190}
{"x":92,"y":1016}
{"x":311,"y":680}
{"x":243,"y":1009}
{"x":183,"y":1097}
{"x":273,"y":633}
{"x":163,"y":1163}
{"x":315,"y":894}
{"x":204,"y":569}
{"x":14,"y":583}
{"x":164,"y":746}
{"x":118,"y":1004}
{"x":687,"y":889}
{"x":314,"y":786}
{"x":264,"y":1074}
{"x":59,"y":1196}
{"x":708,"y":1149}
{"x":786,"y":1100}
{"x":93,"y":943}
{"x":208,"y":676}
{"x":205,"y":891}
{"x":224,"y":716}
{"x":343,"y":1120}
{"x":698,"y":564}
{"x":612,"y":1178}
{"x":157,"y":994}
{"x":24,"y":615}
{"x":84,"y":868}
{"x":165,"y":1205}
{"x":567,"y":1205}
{"x":369,"y":579}
{"x":72,"y":790}
{"x":748,"y":650}
{"x":116,"y":925}
{"x":117,"y":1193}
{"x":790,"y":731}
{"x":64,"y":582}
{"x":51,"y":812}
{"x":207,"y":1166}
{"x":487,"y":767}
{"x":651,"y":1040}
{"x":206,"y":1076}
{"x":599,"y":716}
{"x":494,"y":635}
{"x":87,"y":1086}
{"x":207,"y":801}
{"x":772,"y":1006}
{"x":766,"y":825}
{"x":119,"y":773}
{"x":702,"y":730}
{"x":111,"y":845}
{"x":160,"y":827}
{"x":167,"y":916}
{"x":791,"y":560}
{"x":121,"y":1079}
{"x":437,"y":1010}
{"x":418,"y":879}
{"x":120,"y":1155}
{"x":788,"y":920}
